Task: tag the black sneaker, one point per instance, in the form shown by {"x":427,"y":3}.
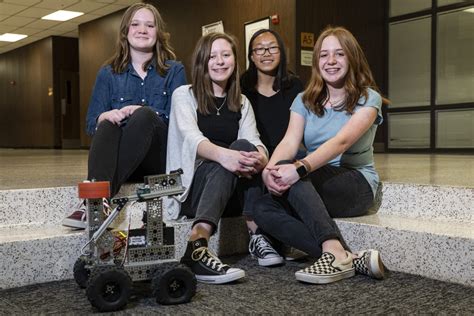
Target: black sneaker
{"x":368,"y":262}
{"x":261,"y":248}
{"x":206,"y":266}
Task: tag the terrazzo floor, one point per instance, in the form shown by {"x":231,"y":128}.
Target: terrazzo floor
{"x":35,"y":168}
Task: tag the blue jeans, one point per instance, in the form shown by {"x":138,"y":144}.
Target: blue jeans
{"x":213,"y":187}
{"x":128,"y":152}
{"x":303,"y":216}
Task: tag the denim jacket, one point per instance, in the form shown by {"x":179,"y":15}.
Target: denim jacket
{"x":114,"y":91}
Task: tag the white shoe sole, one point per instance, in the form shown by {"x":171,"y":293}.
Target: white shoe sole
{"x":231,"y":275}
{"x":266,"y":262}
{"x":376,"y":268}
{"x":74,"y":224}
{"x":323,"y":279}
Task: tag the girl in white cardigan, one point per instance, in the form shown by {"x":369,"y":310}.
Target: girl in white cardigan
{"x":214,"y":139}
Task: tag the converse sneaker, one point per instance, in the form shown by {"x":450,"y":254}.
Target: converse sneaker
{"x":206,"y":266}
{"x":368,"y":262}
{"x":261,"y":248}
{"x":78,"y":218}
{"x":327,"y":270}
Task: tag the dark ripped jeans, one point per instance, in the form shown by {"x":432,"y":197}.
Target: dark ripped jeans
{"x":213,"y":187}
{"x":303,"y":216}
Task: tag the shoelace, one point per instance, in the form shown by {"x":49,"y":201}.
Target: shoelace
{"x":261,"y":244}
{"x":209,"y":259}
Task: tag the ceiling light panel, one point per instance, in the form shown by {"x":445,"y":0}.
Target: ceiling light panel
{"x":62,"y":15}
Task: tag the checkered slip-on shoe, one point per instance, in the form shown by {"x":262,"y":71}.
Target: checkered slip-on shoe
{"x":327,"y":270}
{"x":368,"y":262}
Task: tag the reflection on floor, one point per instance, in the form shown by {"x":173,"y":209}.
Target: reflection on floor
{"x":29,"y":168}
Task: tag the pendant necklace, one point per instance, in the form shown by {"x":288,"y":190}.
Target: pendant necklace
{"x":336,"y":102}
{"x":220,"y":107}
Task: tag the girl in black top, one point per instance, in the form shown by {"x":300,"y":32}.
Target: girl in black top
{"x":269,"y":86}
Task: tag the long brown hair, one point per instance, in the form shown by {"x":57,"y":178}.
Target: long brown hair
{"x":357,"y":80}
{"x":201,"y":80}
{"x":162,"y":52}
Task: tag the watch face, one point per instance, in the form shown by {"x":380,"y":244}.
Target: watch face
{"x":301,"y":170}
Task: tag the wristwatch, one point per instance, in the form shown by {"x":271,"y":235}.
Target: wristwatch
{"x":301,"y":169}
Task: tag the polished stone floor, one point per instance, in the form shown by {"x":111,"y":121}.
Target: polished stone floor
{"x":40,"y":168}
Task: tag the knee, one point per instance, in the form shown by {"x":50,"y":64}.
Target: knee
{"x":146,"y":115}
{"x":106,"y":125}
{"x":243,"y":145}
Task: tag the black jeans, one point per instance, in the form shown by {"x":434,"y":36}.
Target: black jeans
{"x":302,"y":217}
{"x":213,"y":187}
{"x":128,"y":152}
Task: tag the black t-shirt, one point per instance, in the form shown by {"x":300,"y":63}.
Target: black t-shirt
{"x":220,"y":129}
{"x":273,"y":113}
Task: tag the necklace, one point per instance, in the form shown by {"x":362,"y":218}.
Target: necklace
{"x":336,"y":102}
{"x":220,"y":107}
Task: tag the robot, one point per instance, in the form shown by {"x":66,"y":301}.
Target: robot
{"x":111,"y":261}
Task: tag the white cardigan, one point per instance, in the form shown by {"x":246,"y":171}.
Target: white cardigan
{"x":184,"y":137}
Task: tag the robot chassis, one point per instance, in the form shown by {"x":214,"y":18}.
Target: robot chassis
{"x":107,"y":273}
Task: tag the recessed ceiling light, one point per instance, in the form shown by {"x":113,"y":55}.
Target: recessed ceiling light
{"x":470,"y":10}
{"x":10,"y":37}
{"x":62,"y":15}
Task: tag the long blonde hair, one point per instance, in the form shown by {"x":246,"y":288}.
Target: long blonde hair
{"x":357,"y":80}
{"x":162,"y":51}
{"x":201,"y":80}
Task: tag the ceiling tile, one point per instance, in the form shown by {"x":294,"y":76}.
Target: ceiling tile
{"x":86,"y":6}
{"x":29,"y":31}
{"x":85,"y":18}
{"x":23,"y":2}
{"x":65,"y":27}
{"x":57,"y":4}
{"x":108,"y":9}
{"x":34,"y":12}
{"x":7,"y":28}
{"x":46,"y":33}
{"x":7,"y":8}
{"x":18,"y":21}
{"x":43,"y":24}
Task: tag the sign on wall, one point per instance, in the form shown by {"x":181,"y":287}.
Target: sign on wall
{"x":250,"y":29}
{"x":217,"y":27}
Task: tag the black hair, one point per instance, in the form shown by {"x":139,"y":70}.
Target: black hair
{"x":283,"y":77}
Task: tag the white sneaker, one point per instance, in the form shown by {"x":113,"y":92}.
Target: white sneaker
{"x":78,"y":218}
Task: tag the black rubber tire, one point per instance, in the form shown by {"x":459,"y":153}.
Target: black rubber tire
{"x":109,"y":288}
{"x":80,"y":272}
{"x":176,"y":285}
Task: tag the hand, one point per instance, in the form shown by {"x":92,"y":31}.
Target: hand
{"x":230,"y":161}
{"x":271,"y":178}
{"x":253,"y":161}
{"x":129,"y":109}
{"x":288,"y":175}
{"x":113,"y":116}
